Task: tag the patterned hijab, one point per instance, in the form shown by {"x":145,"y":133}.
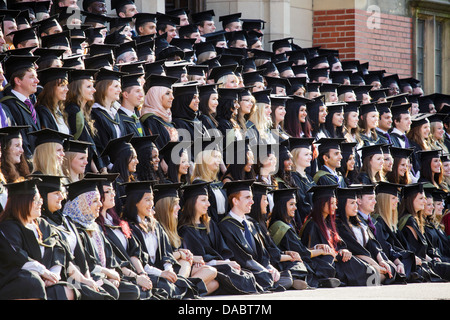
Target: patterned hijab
{"x":79,"y":209}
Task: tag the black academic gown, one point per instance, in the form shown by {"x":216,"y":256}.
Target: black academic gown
{"x":183,"y":288}
{"x":434,"y":269}
{"x":304,"y":198}
{"x":257,"y":259}
{"x":126,"y":290}
{"x":154,"y":125}
{"x":25,"y":241}
{"x":325,"y":177}
{"x":21,"y":116}
{"x":211,"y":246}
{"x":65,"y":226}
{"x":319,"y":268}
{"x":131,"y":124}
{"x":13,"y":279}
{"x":371,"y":247}
{"x":46,"y":118}
{"x":353,"y":272}
{"x":438,"y":240}
{"x":393,"y":248}
{"x":81,"y":131}
{"x":106,"y":129}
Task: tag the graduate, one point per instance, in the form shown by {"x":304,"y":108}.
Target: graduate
{"x":202,"y":237}
{"x":319,"y":231}
{"x":185,"y":107}
{"x":242,"y":237}
{"x":83,"y":207}
{"x":18,"y":99}
{"x":50,"y":101}
{"x":358,"y":237}
{"x":315,"y":264}
{"x":78,"y":103}
{"x":104,"y":112}
{"x":411,"y":225}
{"x":132,"y":98}
{"x":302,"y":155}
{"x":329,"y":160}
{"x":42,"y":255}
{"x":156,"y":115}
{"x":52,"y":192}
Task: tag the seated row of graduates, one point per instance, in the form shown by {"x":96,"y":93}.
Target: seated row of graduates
{"x":131,"y":254}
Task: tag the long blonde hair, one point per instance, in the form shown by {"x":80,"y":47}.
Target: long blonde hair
{"x":164,"y":215}
{"x":66,"y":166}
{"x":44,"y":159}
{"x":260,"y":121}
{"x":201,"y":170}
{"x":384,"y":208}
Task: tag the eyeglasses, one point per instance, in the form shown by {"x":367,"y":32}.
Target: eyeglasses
{"x":38,"y":201}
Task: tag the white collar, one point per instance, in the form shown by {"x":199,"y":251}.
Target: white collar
{"x":237,"y":217}
{"x":19,"y":95}
{"x":127,"y":112}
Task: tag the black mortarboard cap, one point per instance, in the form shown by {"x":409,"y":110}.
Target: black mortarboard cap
{"x":411,"y":189}
{"x":281,"y":43}
{"x":326,"y":144}
{"x":350,"y":65}
{"x":252,"y":24}
{"x":429,"y":154}
{"x":50,"y":74}
{"x":138,"y":187}
{"x":237,"y":186}
{"x":218,"y":72}
{"x":84,"y":74}
{"x":315,"y":74}
{"x":115,"y":147}
{"x":352,"y":106}
{"x":161,"y":81}
{"x":378,"y":93}
{"x":262,"y":96}
{"x":388,"y":80}
{"x":130,"y":80}
{"x":24,"y":35}
{"x":166,"y":190}
{"x":199,"y":17}
{"x":323,"y":191}
{"x":388,"y":187}
{"x":56,"y":39}
{"x":47,"y":135}
{"x":283,"y":194}
{"x":99,"y":61}
{"x":384,"y":107}
{"x":82,"y":186}
{"x":235,"y":17}
{"x":348,"y":148}
{"x":295,"y":143}
{"x":26,"y":187}
{"x":261,"y":188}
{"x":400,"y":109}
{"x":370,"y":150}
{"x":186,"y":88}
{"x":47,"y":183}
{"x":340,"y":76}
{"x":329,"y":87}
{"x":106,"y":74}
{"x":317,"y":60}
{"x":76,"y":146}
{"x":367,"y":107}
{"x":162,"y":18}
{"x":144,"y":142}
{"x":207,"y":89}
{"x":195,"y":189}
{"x":15,"y":63}
{"x":401,"y":152}
{"x":347,"y":193}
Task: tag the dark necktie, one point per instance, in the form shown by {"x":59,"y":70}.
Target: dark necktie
{"x":33,"y":111}
{"x":248,"y":235}
{"x":371,"y":225}
{"x":406,"y":141}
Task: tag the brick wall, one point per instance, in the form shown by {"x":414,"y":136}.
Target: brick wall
{"x":387,"y":45}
